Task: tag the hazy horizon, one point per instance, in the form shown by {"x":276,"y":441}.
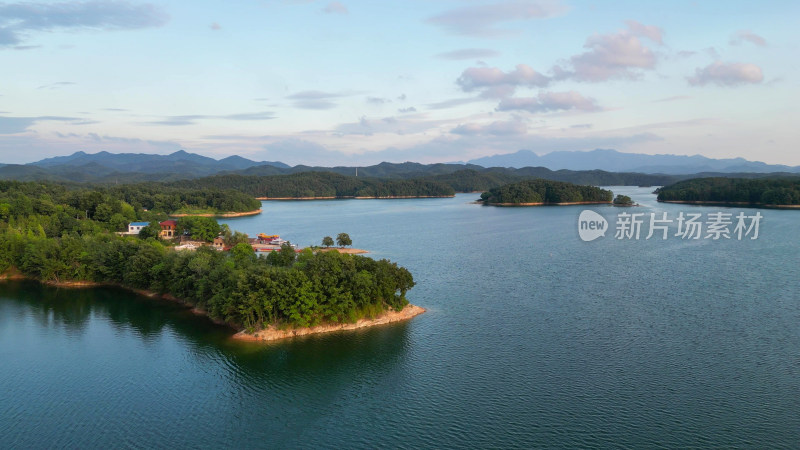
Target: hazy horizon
{"x":356,"y":83}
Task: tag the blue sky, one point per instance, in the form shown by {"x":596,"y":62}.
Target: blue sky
{"x":358,"y":82}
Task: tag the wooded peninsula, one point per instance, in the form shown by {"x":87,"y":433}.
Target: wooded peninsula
{"x":544,"y":192}
{"x":775,"y":192}
{"x":68,"y":236}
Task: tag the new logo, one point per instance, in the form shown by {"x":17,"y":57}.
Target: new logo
{"x":591,"y":225}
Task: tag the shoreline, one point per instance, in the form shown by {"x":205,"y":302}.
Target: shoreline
{"x":227,"y":214}
{"x":547,"y":204}
{"x":274,"y":334}
{"x":744,"y":204}
{"x":349,"y":251}
{"x":348,"y":197}
{"x":269,"y":334}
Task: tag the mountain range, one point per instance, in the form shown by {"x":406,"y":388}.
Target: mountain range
{"x":614,"y":161}
{"x":105,"y":167}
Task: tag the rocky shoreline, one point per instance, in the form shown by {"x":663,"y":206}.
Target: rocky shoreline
{"x":273,"y":333}
{"x":353,"y":197}
{"x":744,"y":204}
{"x":227,"y":214}
{"x":549,"y":204}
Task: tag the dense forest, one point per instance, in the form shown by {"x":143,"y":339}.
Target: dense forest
{"x":758,"y":191}
{"x":545,"y":192}
{"x":57,"y":207}
{"x":55,"y":235}
{"x":320,"y":184}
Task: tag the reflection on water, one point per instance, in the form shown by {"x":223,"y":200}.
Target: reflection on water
{"x":123,"y":360}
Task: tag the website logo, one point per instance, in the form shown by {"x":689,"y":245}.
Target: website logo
{"x":591,"y":225}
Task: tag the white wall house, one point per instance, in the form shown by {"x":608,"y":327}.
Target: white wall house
{"x":136,"y":227}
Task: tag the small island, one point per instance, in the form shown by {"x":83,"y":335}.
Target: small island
{"x":541,"y":192}
{"x":623,"y":200}
{"x":771,"y":192}
{"x":72,"y":237}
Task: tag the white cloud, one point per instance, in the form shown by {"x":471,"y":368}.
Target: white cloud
{"x":19,"y":20}
{"x":549,"y":101}
{"x":746,"y":35}
{"x":482,"y":20}
{"x":613,"y":55}
{"x":727,"y":74}
{"x":498,"y":128}
{"x":494,"y":83}
{"x":651,"y":32}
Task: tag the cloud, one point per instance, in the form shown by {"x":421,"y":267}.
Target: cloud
{"x":192,"y":119}
{"x":727,"y":74}
{"x":215,"y":26}
{"x":377,"y":100}
{"x":19,"y":20}
{"x":482,"y":20}
{"x":749,"y":36}
{"x":620,"y":55}
{"x":446,"y":104}
{"x":550,"y":101}
{"x":495,"y":83}
{"x":56,"y":85}
{"x":410,"y":109}
{"x":651,"y":32}
{"x":469,"y":53}
{"x":315,"y":99}
{"x":14,"y":125}
{"x":499,"y":128}
{"x":314,"y":104}
{"x":335,"y":8}
{"x":392,"y":125}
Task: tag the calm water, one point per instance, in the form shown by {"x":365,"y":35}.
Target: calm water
{"x":532,"y":338}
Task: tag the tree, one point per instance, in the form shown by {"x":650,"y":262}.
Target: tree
{"x":343,"y":240}
{"x":201,"y":228}
{"x":327,"y":241}
{"x":152,"y":230}
{"x":623,"y":200}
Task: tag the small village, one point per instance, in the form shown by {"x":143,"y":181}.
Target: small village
{"x":261,"y":243}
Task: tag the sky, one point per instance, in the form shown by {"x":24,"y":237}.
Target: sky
{"x":359,"y":82}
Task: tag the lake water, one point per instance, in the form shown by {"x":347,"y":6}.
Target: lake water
{"x":532,"y":338}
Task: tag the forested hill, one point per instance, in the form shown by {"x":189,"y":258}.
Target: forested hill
{"x":327,"y":184}
{"x":321,"y":184}
{"x":759,"y":191}
{"x":56,"y":235}
{"x":60,"y":207}
{"x":545,"y":192}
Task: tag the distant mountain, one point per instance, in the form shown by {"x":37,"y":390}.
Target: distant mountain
{"x":614,"y":161}
{"x":182,"y":162}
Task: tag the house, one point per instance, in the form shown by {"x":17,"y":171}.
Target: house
{"x":136,"y":227}
{"x":219,"y":243}
{"x":168,"y":229}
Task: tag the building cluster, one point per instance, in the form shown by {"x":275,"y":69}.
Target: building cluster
{"x":168,"y":228}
